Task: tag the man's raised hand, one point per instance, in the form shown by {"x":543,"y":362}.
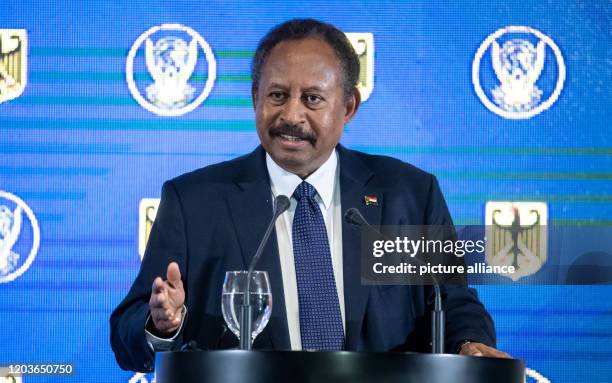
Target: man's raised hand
{"x":166,"y":302}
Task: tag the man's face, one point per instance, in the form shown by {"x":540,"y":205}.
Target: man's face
{"x":300,"y":107}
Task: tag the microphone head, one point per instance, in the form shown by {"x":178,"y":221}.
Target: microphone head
{"x":354,"y":217}
{"x":281,"y":203}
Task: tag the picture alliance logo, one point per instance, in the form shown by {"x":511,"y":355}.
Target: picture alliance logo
{"x":170,"y":70}
{"x":19,"y":237}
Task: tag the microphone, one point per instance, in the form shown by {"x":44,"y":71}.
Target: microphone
{"x":192,"y":345}
{"x":281,"y":204}
{"x":354,"y":217}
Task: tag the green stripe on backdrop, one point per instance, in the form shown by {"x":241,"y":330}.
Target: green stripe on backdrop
{"x":52,"y":217}
{"x":514,"y":175}
{"x":55,"y":195}
{"x":451,"y":197}
{"x":120,"y":76}
{"x":465,"y":221}
{"x":581,"y":222}
{"x":101,"y":148}
{"x":249,"y":126}
{"x":53,"y":171}
{"x":62,"y":148}
{"x":488,"y":150}
{"x":120,"y":52}
{"x":550,"y":198}
{"x":101,"y":101}
{"x":113,"y":125}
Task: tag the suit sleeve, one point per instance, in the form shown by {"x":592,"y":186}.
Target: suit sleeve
{"x":466,"y":317}
{"x":166,"y":243}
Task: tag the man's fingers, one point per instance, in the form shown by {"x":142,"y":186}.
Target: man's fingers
{"x":173,"y":275}
{"x":176,"y":293}
{"x":479,"y":349}
{"x":491,"y":352}
{"x":165,"y":320}
{"x":162,"y":308}
{"x":474,"y":349}
{"x":501,"y":354}
{"x":164,"y":325}
{"x":159,"y":294}
{"x":158,"y":301}
{"x":158,"y":285}
{"x":161,"y":315}
{"x":167,"y":299}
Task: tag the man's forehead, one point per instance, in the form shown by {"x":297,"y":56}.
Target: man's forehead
{"x":311,"y":63}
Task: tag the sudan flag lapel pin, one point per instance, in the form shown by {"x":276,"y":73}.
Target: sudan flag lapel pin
{"x":370,"y":200}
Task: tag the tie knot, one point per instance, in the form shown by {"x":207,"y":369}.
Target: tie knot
{"x":304,"y":190}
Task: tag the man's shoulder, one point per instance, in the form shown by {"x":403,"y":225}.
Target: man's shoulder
{"x":391,"y":168}
{"x":218,"y":174}
{"x":414,"y":193}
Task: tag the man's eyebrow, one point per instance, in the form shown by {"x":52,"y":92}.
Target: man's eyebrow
{"x":313,"y":89}
{"x":277,"y":85}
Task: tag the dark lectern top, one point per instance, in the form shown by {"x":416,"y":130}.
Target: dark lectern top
{"x":301,"y":366}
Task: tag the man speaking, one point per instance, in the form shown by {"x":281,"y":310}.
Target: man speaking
{"x":211,"y":221}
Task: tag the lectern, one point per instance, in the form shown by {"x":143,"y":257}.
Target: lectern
{"x":301,"y":366}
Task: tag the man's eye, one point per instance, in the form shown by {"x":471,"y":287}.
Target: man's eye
{"x":313,"y":99}
{"x":277,"y":96}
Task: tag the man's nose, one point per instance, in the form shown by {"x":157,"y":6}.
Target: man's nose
{"x":293,"y":112}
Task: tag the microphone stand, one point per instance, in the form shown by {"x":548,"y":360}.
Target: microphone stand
{"x":281,"y":203}
{"x":353,"y":216}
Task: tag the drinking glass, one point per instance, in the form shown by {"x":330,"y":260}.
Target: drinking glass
{"x":260,"y":299}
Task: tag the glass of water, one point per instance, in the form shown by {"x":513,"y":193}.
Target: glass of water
{"x":260,"y":299}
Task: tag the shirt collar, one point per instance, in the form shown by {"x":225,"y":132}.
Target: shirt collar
{"x":323,"y":179}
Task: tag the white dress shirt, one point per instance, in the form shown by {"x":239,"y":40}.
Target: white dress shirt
{"x":326,"y":181}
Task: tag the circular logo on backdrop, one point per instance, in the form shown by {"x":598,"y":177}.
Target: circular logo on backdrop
{"x":518,"y":72}
{"x":19,"y":237}
{"x":535,"y":376}
{"x":165,"y":71}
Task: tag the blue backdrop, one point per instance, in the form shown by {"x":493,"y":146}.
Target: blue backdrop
{"x":81,"y":152}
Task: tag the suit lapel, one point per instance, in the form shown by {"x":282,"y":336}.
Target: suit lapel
{"x":355,"y":184}
{"x":251,"y":210}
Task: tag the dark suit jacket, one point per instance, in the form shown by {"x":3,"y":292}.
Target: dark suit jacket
{"x":211,"y":221}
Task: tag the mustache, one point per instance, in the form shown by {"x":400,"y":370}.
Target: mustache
{"x":292,"y":130}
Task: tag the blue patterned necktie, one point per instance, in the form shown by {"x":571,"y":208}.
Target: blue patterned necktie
{"x":320,"y":319}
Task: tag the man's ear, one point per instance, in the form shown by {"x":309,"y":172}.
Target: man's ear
{"x":352,"y":105}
